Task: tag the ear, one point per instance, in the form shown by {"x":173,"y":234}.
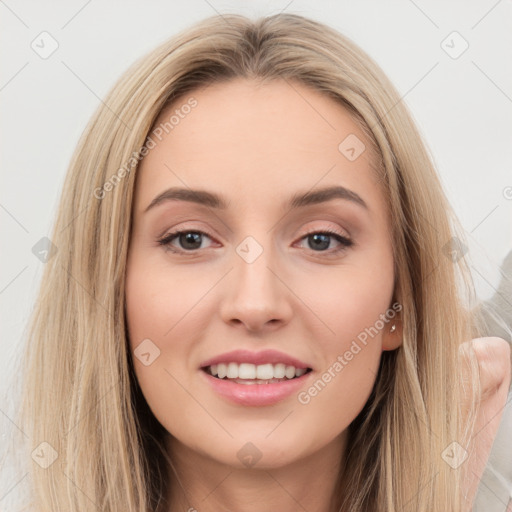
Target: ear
{"x":392,"y":337}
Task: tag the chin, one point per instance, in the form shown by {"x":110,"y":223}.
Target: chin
{"x":257,"y":451}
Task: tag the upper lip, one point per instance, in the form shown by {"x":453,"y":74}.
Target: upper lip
{"x":256,"y":358}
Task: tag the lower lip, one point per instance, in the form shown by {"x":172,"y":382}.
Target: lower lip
{"x":256,"y":394}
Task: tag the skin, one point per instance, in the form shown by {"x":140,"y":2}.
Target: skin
{"x":257,"y":145}
{"x":493,"y":357}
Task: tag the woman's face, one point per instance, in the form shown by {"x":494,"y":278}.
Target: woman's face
{"x":254,"y":286}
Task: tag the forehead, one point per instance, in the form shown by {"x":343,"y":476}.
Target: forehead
{"x":258,"y":144}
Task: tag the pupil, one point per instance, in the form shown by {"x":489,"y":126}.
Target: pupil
{"x":320,"y":243}
{"x":190,"y":238}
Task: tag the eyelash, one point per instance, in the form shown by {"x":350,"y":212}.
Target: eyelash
{"x":168,"y":238}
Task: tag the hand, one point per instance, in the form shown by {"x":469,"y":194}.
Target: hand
{"x":493,"y":357}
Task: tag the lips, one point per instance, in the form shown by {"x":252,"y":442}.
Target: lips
{"x":255,"y":378}
{"x":256,"y":358}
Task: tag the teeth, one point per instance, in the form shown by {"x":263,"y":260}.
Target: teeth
{"x":246,"y":371}
{"x":232,"y":371}
{"x":222,"y":370}
{"x":256,"y":381}
{"x":279,"y":370}
{"x":263,"y":372}
{"x":289,"y":372}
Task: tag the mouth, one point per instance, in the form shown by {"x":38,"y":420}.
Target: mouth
{"x":252,"y":374}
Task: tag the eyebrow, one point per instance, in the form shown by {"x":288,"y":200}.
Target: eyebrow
{"x":298,"y":200}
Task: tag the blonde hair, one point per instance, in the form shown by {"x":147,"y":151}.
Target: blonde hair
{"x":79,"y":390}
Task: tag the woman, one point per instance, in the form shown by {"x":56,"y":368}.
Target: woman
{"x":254,"y":304}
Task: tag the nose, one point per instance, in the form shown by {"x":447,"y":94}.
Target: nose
{"x":256,"y":296}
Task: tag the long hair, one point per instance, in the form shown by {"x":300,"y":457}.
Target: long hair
{"x":79,"y":393}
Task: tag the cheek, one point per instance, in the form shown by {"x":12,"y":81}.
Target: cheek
{"x":353,"y":310}
{"x":160,"y":304}
{"x":172,"y":309}
{"x":349,"y":301}
{"x":163,"y":309}
{"x":352,"y":303}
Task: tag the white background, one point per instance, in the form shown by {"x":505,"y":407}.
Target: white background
{"x":463,"y":108}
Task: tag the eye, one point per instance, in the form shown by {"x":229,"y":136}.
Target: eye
{"x":191,"y":240}
{"x":188,"y":239}
{"x":318,"y":241}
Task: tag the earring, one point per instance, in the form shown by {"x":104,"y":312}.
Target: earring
{"x":393,"y":328}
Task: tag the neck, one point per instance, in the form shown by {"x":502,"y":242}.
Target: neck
{"x":201,"y":484}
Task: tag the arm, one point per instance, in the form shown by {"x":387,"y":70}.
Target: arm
{"x":493,"y":356}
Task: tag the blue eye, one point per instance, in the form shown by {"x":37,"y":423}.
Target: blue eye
{"x":191,"y":240}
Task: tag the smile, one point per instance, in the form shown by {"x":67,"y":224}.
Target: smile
{"x":247,"y":373}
